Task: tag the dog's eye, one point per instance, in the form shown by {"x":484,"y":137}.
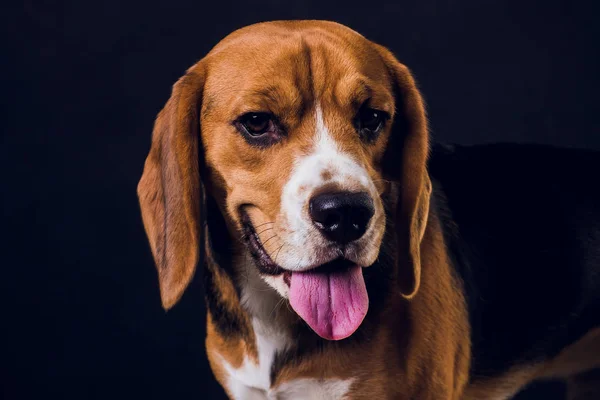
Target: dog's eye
{"x":369,"y":122}
{"x":256,"y":124}
{"x":259,"y":128}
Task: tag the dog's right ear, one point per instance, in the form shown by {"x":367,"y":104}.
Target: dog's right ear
{"x":170,"y":191}
{"x":406,"y":164}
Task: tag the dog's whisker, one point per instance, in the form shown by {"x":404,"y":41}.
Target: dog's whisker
{"x":277,"y":305}
{"x":382,"y":180}
{"x":265,"y":242}
{"x":275,"y":261}
{"x":264,"y":230}
{"x":265,"y":223}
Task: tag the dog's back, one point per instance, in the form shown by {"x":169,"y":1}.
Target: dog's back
{"x":522,"y":223}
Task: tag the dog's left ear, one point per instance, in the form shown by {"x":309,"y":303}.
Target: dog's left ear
{"x":405,"y":162}
{"x":170,"y":191}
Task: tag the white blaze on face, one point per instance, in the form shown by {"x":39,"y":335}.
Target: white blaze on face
{"x":304,"y":246}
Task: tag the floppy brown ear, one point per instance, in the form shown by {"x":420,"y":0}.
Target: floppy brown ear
{"x":170,"y":192}
{"x":409,"y":142}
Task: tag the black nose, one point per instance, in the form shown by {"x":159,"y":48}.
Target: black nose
{"x":342,"y":217}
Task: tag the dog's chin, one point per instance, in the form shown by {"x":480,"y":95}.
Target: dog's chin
{"x":280,"y":283}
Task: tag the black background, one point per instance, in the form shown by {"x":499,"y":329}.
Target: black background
{"x":82,"y":82}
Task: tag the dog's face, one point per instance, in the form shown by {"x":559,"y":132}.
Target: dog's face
{"x":294,"y":135}
{"x":295,"y":124}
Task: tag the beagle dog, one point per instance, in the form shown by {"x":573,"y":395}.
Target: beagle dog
{"x":344,"y":257}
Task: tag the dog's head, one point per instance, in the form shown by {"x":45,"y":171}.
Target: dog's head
{"x":297,"y":130}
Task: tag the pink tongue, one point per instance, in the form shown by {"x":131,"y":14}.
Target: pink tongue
{"x":332,"y":304}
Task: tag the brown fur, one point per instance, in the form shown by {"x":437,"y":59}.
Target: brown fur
{"x":576,"y":358}
{"x":420,"y":347}
{"x":572,"y":363}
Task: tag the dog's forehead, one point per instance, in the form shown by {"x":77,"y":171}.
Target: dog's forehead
{"x":275,"y":32}
{"x":300,"y":58}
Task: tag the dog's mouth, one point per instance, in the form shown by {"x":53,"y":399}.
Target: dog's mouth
{"x":263,"y":260}
{"x":331,"y":298}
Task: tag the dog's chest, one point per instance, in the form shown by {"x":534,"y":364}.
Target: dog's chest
{"x":252,"y":380}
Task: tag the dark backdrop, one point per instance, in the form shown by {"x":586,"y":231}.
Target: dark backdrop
{"x":82,"y":82}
